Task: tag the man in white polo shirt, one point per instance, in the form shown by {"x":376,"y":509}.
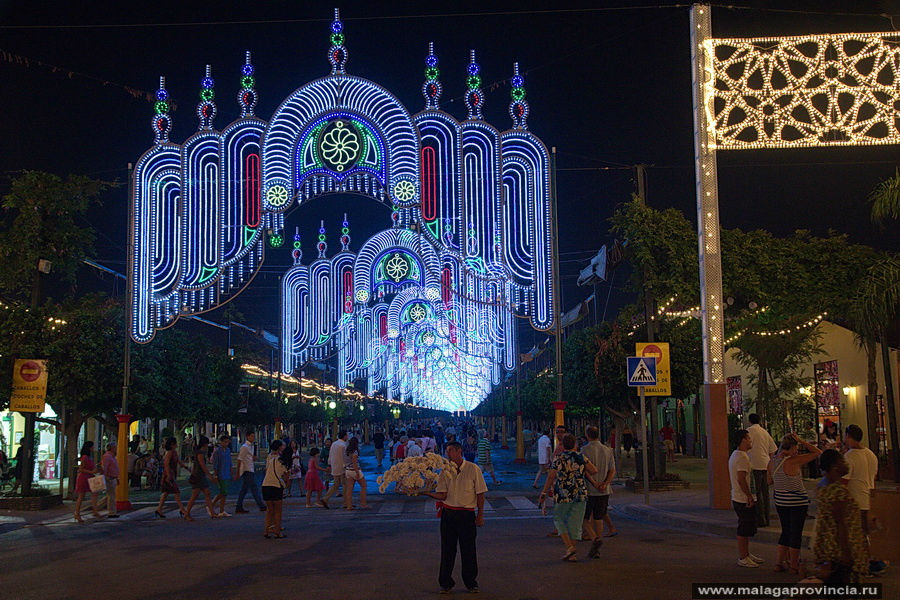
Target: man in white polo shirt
{"x":336,"y":457}
{"x":461,"y":509}
{"x":860,"y":478}
{"x":247,"y":475}
{"x":764,"y":448}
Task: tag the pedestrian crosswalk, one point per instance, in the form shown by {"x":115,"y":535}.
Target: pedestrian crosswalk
{"x":388,"y":506}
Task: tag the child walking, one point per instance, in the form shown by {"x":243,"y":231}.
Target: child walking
{"x":313,"y":481}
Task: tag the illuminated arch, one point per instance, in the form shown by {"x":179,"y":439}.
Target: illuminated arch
{"x":335,"y":97}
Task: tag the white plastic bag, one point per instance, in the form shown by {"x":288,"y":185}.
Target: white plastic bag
{"x":97,"y":483}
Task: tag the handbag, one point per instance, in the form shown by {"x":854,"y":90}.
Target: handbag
{"x":96,"y":483}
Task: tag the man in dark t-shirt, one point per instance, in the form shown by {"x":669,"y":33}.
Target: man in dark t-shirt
{"x":439,"y":439}
{"x":378,"y":442}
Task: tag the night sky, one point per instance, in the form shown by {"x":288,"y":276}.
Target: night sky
{"x":609,"y":89}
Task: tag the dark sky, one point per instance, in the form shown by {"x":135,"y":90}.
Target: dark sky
{"x":608,"y":88}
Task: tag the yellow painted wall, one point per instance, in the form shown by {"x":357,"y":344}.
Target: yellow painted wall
{"x":838,"y":343}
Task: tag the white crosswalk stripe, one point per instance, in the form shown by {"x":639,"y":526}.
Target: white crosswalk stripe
{"x":395,"y":507}
{"x":137,"y":514}
{"x":390,"y":508}
{"x":521,"y":503}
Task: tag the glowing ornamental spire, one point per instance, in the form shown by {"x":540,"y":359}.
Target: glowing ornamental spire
{"x":337,"y":55}
{"x":162,"y":123}
{"x":206,"y":109}
{"x":345,"y":235}
{"x":297,"y":253}
{"x":432,"y":87}
{"x":518,"y":107}
{"x":474,"y":96}
{"x":322,"y":246}
{"x":247,"y":94}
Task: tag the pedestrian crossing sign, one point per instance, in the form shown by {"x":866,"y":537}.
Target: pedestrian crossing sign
{"x":641,"y":371}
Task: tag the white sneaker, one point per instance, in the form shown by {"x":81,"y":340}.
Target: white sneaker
{"x":756,"y":559}
{"x":748,"y":562}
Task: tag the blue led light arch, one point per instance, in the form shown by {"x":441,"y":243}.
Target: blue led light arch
{"x":425,"y":310}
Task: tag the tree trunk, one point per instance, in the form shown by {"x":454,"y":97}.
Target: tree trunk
{"x":873,"y":439}
{"x":891,"y":403}
{"x":74,"y":421}
{"x":762,"y":394}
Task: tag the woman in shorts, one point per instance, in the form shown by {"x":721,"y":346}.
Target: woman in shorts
{"x":353,"y":474}
{"x":273,"y":490}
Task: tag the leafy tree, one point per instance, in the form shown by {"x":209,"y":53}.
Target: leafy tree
{"x":85,"y":367}
{"x":44,"y":217}
{"x":876,"y":306}
{"x":182,"y":377}
{"x":775,"y":363}
{"x":885,"y":199}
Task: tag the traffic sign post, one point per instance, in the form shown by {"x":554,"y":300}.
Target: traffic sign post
{"x":659,"y":351}
{"x":641,"y":373}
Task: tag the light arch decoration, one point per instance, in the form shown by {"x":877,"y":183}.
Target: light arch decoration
{"x":425,"y":310}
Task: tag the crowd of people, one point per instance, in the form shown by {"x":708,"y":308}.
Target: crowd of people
{"x":840,"y":547}
{"x":577,"y":476}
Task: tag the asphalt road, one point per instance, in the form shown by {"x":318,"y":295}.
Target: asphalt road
{"x":386,"y":553}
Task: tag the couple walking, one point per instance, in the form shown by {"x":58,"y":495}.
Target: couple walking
{"x":343,"y":458}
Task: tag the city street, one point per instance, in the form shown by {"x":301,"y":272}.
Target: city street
{"x":388,"y":552}
{"x":335,"y":554}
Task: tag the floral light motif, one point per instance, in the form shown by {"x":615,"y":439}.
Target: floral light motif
{"x":404,"y":190}
{"x":340,"y":146}
{"x":277,"y":195}
{"x":417,"y":313}
{"x":396,"y":267}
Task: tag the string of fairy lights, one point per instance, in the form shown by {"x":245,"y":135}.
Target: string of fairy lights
{"x":686,"y":315}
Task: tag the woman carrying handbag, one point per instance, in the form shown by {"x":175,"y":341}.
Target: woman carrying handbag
{"x":86,"y":470}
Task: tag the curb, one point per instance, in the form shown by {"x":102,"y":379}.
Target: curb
{"x":695,"y":524}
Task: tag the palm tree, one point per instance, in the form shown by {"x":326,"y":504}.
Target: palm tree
{"x":876,"y":305}
{"x":885,"y":199}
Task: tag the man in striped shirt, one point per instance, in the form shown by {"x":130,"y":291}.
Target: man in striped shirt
{"x":484,"y":456}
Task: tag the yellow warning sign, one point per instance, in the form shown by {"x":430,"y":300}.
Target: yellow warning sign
{"x":29,"y":386}
{"x":659,"y":351}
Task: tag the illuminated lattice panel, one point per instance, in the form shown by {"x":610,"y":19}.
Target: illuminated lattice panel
{"x":803,"y":91}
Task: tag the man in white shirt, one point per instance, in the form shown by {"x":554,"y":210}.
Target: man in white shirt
{"x":336,"y":456}
{"x":543,"y":455}
{"x":461,"y":509}
{"x":247,"y":475}
{"x":601,"y":456}
{"x":742,"y":499}
{"x":860,"y":479}
{"x":764,"y":448}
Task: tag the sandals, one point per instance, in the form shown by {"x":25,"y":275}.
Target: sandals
{"x":570,"y":555}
